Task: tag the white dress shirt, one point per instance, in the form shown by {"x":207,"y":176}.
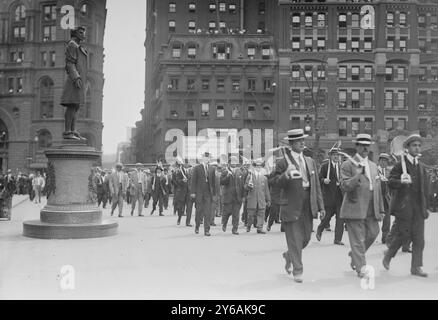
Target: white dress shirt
{"x":299,"y":158}
{"x":366,"y":164}
{"x":413,"y":160}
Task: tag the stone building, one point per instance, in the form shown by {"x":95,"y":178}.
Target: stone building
{"x":32,"y":77}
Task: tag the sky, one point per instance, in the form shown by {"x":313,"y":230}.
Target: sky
{"x":124,"y":70}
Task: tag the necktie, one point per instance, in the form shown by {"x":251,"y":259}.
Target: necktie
{"x":206,"y":172}
{"x":303,"y":171}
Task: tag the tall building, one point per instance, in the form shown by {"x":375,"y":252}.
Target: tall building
{"x":290,"y":63}
{"x":32,"y":76}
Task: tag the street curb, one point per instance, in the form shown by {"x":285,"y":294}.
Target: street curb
{"x":20,"y":201}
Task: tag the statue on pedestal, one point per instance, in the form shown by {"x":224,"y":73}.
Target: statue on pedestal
{"x":73,"y":95}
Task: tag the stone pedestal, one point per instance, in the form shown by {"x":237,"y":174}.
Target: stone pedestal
{"x":71,"y":211}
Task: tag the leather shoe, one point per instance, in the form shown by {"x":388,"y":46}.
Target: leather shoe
{"x":196,"y":230}
{"x":236,"y":233}
{"x":407,"y":250}
{"x":261,"y":232}
{"x":207,"y":234}
{"x":351,"y":263}
{"x":189,"y":225}
{"x":318,"y":236}
{"x":386,"y":260}
{"x":298,"y":278}
{"x":419,"y":272}
{"x":178,"y":223}
{"x":161,"y":215}
{"x":328,"y":229}
{"x":248,"y":229}
{"x":213,"y":224}
{"x":140,"y":215}
{"x":132,"y":213}
{"x":152,"y":212}
{"x":268,"y":228}
{"x":339,"y":243}
{"x":224,"y":228}
{"x":288,"y":264}
{"x":120,"y":216}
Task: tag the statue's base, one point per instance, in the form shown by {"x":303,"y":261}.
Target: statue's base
{"x":71,"y":211}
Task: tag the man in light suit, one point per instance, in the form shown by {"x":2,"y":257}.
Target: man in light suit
{"x":301,"y":200}
{"x":258,"y":197}
{"x":202,"y":191}
{"x":118,"y":185}
{"x":137,"y":189}
{"x":362,"y":207}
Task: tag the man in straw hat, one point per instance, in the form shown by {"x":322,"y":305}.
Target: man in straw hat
{"x":181,"y":190}
{"x":137,"y":189}
{"x":362,"y":207}
{"x":301,"y":200}
{"x":118,"y":185}
{"x":384,"y":175}
{"x":330,"y":179}
{"x":409,"y":182}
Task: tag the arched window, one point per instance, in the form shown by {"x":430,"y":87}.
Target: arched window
{"x":46,"y":98}
{"x":18,"y":27}
{"x":20,"y":13}
{"x":4,"y":137}
{"x":44,"y":139}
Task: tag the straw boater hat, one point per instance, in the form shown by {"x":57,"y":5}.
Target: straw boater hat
{"x":258,"y":162}
{"x":364,"y":139}
{"x":295,"y":134}
{"x":384,"y":156}
{"x":334,"y":151}
{"x":412,"y":138}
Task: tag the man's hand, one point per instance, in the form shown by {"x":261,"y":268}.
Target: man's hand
{"x":326,"y":181}
{"x":268,"y":203}
{"x":193,"y":196}
{"x":78,"y":83}
{"x":322,"y":214}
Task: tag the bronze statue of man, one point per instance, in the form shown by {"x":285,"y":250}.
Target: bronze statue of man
{"x":73,"y":95}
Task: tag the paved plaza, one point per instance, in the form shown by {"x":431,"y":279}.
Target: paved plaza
{"x":153,"y":258}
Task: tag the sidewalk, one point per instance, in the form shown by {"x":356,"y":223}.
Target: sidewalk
{"x":18,"y":199}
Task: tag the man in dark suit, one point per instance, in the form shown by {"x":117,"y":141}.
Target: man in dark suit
{"x":409,"y":205}
{"x":329,"y":177}
{"x":180,"y":179}
{"x":301,"y":198}
{"x":275,"y":190}
{"x":159,"y":190}
{"x":384,"y":175}
{"x":232,"y":181}
{"x":202,"y":191}
{"x":189,"y":200}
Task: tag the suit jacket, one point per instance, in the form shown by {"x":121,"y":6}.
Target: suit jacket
{"x":233,"y":186}
{"x":331,"y":192}
{"x":181,"y":188}
{"x":259,"y":195}
{"x":99,"y":182}
{"x":274,"y":188}
{"x":292,"y":191}
{"x":137,"y":178}
{"x":402,"y":195}
{"x":199,"y":186}
{"x":159,"y":186}
{"x":356,"y":189}
{"x":386,"y":193}
{"x":114,"y":184}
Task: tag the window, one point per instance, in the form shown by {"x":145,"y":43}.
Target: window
{"x":321,"y":72}
{"x":342,"y":20}
{"x":296,"y":20}
{"x":422,"y":45}
{"x":422,"y":100}
{"x":43,"y":59}
{"x":20,"y":13}
{"x":19,"y":85}
{"x":267,"y":112}
{"x":49,"y":33}
{"x":11,"y":86}
{"x":355,"y":20}
{"x":266,"y":52}
{"x":402,"y":19}
{"x":368,"y":99}
{"x":205,"y":84}
{"x":222,"y":25}
{"x":403,"y":42}
{"x":220,"y":84}
{"x":368,"y":74}
{"x":172,"y":7}
{"x":205,"y":109}
{"x":423,"y":74}
{"x":343,"y":44}
{"x":434,"y":101}
{"x":308,"y":101}
{"x":355,"y":73}
{"x":388,"y":99}
{"x":321,"y":44}
{"x":221,"y":51}
{"x":173,"y":113}
{"x":390,"y":19}
{"x":434,"y":73}
{"x":236,"y":85}
{"x":295,"y":44}
{"x":251,"y":85}
{"x":401,"y":73}
{"x":172,"y":26}
{"x":342,"y":98}
{"x":388,"y":74}
{"x":192,"y":7}
{"x":308,"y":44}
{"x":235,"y":111}
{"x":44,"y":139}
{"x":17,"y":57}
{"x":190,"y":84}
{"x":355,"y":126}
{"x":176,"y":51}
{"x":46,"y":98}
{"x":342,"y":73}
{"x":19,"y":34}
{"x":52,"y":58}
{"x":422,"y":21}
{"x":433,"y":22}
{"x":220,"y":111}
{"x":296,"y":72}
{"x":191,"y":51}
{"x":422,"y":126}
{"x":321,"y":19}
{"x":355,"y":45}
{"x":84,"y":10}
{"x":308,"y":72}
{"x":355,"y":99}
{"x":232,"y":8}
{"x":189,"y":110}
{"x":267,"y":85}
{"x":368,"y":125}
{"x":222,"y":7}
{"x":368,"y":44}
{"x":173,"y":84}
{"x":295,"y":122}
{"x":390,"y":43}
{"x":262,"y":7}
{"x":49,"y":13}
{"x":296,"y":98}
{"x":342,"y":127}
{"x":389,"y":124}
{"x":321,"y":97}
{"x":192,"y":26}
{"x":308,"y":21}
{"x":251,"y":112}
{"x":401,"y":125}
{"x":401,"y":99}
{"x":212,"y":7}
{"x":250,"y":51}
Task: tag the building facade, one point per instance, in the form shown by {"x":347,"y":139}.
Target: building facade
{"x":290,"y":63}
{"x":32,"y":76}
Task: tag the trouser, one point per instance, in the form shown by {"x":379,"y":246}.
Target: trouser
{"x":100,"y":195}
{"x":203,"y":211}
{"x":386,"y":223}
{"x":166,"y":201}
{"x":407,"y":229}
{"x":117,"y":200}
{"x":390,"y":236}
{"x":257,"y":213}
{"x":189,"y":208}
{"x":128,"y":197}
{"x":339,"y":227}
{"x":38,"y":194}
{"x":245,"y":212}
{"x":298,"y":234}
{"x":213,"y":211}
{"x":274,"y":214}
{"x":362,"y":234}
{"x":231,"y":209}
{"x":158,"y":199}
{"x":137,"y":198}
{"x":179,"y":206}
{"x":218,"y":206}
{"x":147,"y":198}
